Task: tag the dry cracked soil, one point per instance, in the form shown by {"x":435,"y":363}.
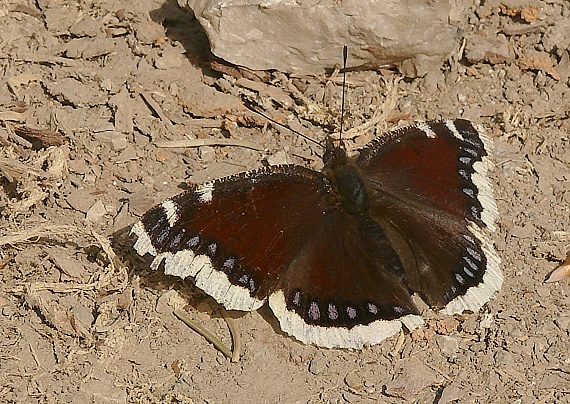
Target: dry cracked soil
{"x":92,"y":93}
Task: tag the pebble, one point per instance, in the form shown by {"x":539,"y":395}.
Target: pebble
{"x":318,"y":364}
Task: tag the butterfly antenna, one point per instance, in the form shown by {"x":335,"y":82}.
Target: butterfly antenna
{"x":344,"y":58}
{"x":249,"y":106}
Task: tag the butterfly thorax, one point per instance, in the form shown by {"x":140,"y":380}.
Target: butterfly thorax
{"x":346,"y":181}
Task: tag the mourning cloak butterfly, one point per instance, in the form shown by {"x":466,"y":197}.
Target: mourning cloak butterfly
{"x":338,"y":253}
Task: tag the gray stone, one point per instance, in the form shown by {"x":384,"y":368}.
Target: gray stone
{"x":493,"y":50}
{"x":557,"y":38}
{"x":451,"y":394}
{"x":448,"y":345}
{"x":318,"y":364}
{"x":412,"y":378}
{"x":306,"y":37}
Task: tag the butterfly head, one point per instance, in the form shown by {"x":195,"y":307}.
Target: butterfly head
{"x":335,"y":154}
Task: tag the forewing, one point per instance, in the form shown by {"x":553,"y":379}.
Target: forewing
{"x":431,"y":193}
{"x":235,"y":236}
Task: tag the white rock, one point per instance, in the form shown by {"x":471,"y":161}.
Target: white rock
{"x":306,"y":37}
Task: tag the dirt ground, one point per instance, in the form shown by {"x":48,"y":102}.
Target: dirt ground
{"x":91,"y":94}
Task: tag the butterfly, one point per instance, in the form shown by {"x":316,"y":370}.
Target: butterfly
{"x":338,"y":254}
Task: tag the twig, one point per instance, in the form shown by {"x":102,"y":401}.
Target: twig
{"x":204,"y":333}
{"x":365,"y":395}
{"x":399,"y":344}
{"x":332,"y":78}
{"x":12,"y":116}
{"x":111,"y":279}
{"x":6,"y":261}
{"x":35,"y":356}
{"x":234,"y":332}
{"x":156,"y":108}
{"x":208,"y":142}
{"x":205,"y":123}
{"x":40,"y":137}
{"x":56,"y":287}
{"x":38,"y":232}
{"x":441,"y":372}
{"x":40,"y":59}
{"x":106,"y":246}
{"x":9,"y":357}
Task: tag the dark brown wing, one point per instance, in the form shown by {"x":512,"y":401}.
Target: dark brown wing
{"x":332,"y":279}
{"x":345,"y":287}
{"x":236,"y":236}
{"x":431,"y":194}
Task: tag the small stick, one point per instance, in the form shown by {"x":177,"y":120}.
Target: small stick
{"x":55,"y":287}
{"x":205,"y":123}
{"x":40,"y":59}
{"x":35,"y":356}
{"x":399,"y":344}
{"x":441,"y":372}
{"x":38,"y":232}
{"x":62,"y":287}
{"x":204,"y":333}
{"x":6,"y":261}
{"x":234,"y":332}
{"x":12,"y":116}
{"x":208,"y":142}
{"x":156,"y":108}
{"x":106,"y":246}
